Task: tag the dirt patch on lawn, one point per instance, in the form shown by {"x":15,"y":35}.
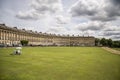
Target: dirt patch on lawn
{"x":111,"y":50}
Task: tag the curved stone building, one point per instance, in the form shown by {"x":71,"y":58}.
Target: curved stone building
{"x":13,"y":36}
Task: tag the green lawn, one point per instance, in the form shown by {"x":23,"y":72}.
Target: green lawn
{"x":59,"y":63}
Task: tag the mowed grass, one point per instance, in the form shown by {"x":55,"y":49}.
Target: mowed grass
{"x":59,"y":63}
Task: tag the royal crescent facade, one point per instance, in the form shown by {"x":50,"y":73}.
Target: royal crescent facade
{"x":13,"y":36}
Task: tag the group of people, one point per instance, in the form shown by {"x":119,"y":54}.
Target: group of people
{"x":17,"y":51}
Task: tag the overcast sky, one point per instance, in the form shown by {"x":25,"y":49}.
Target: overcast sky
{"x":99,"y":18}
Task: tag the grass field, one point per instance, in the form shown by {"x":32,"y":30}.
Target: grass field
{"x":59,"y":63}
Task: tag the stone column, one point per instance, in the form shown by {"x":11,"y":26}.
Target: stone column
{"x":9,"y":37}
{"x":4,"y":36}
{"x":32,"y":38}
{"x":27,"y":36}
{"x":14,"y":37}
{"x":24,"y":36}
{"x":0,"y":36}
{"x":20,"y":36}
{"x":17,"y":40}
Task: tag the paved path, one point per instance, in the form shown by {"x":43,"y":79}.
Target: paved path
{"x":111,"y":50}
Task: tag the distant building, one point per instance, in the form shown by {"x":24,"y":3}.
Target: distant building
{"x":13,"y":36}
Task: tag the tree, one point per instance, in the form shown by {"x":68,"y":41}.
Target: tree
{"x":103,"y":41}
{"x":24,"y":42}
{"x":116,"y":44}
{"x":109,"y":42}
{"x":97,"y":42}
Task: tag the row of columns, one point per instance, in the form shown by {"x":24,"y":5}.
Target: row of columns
{"x":14,"y":37}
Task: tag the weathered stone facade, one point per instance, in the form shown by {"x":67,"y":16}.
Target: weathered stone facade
{"x":12,"y":36}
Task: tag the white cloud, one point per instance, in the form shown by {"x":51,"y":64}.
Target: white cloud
{"x":103,"y":10}
{"x":49,"y":13}
{"x":30,"y":15}
{"x":115,"y":35}
{"x":97,"y":26}
{"x":91,"y":25}
{"x":110,"y":33}
{"x":102,"y":16}
{"x":85,"y":7}
{"x":61,"y":19}
{"x":57,"y":30}
{"x":41,"y":8}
